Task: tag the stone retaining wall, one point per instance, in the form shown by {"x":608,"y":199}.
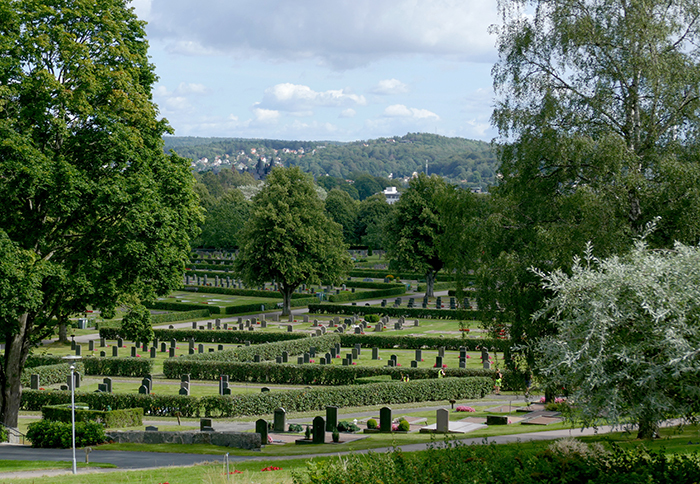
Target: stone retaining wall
{"x":241,"y":440}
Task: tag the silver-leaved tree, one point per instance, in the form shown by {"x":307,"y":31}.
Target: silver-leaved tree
{"x":628,"y":336}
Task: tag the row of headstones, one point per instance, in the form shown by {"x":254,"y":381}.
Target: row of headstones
{"x":153,"y":349}
{"x":426,"y":302}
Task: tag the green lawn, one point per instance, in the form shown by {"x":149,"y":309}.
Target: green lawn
{"x":31,"y":465}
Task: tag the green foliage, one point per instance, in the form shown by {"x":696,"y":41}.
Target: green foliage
{"x":234,"y":291}
{"x":97,"y":214}
{"x":414,"y":228}
{"x":288,"y":238}
{"x":49,"y":434}
{"x":128,"y":417}
{"x":438,"y":286}
{"x":222,"y":336}
{"x":50,"y":374}
{"x":34,"y":360}
{"x":224,"y":220}
{"x":295,"y":427}
{"x":4,"y":435}
{"x":178,"y":316}
{"x":372,"y":318}
{"x":345,"y":426}
{"x":382,"y":273}
{"x":404,"y":426}
{"x":342,"y":209}
{"x":373,"y":214}
{"x":155,"y":405}
{"x":137,"y":367}
{"x":429,"y":313}
{"x":316,"y":399}
{"x":356,"y":296}
{"x":371,"y":424}
{"x":136,"y":325}
{"x":566,"y":461}
{"x":627,"y":336}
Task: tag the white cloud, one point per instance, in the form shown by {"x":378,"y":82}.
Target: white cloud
{"x":401,"y":111}
{"x":266,"y":116}
{"x":348,"y":113}
{"x":300,"y":99}
{"x":341,"y":34}
{"x":390,"y":86}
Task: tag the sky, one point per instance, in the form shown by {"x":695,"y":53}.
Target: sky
{"x":340,"y":70}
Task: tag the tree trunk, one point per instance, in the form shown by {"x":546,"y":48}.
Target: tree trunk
{"x":430,"y":284}
{"x":16,"y":351}
{"x":287,"y":295}
{"x":647,"y":429}
{"x":63,"y":332}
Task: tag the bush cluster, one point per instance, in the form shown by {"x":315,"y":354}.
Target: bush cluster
{"x":158,"y":405}
{"x":58,"y":435}
{"x":429,"y":313}
{"x":50,"y":374}
{"x":438,"y":286}
{"x":499,"y":464}
{"x":355,"y":296}
{"x":42,"y":360}
{"x":128,"y":417}
{"x":225,"y":337}
{"x":382,"y":273}
{"x":231,"y":291}
{"x":268,"y":351}
{"x":118,"y":366}
{"x":180,"y":316}
{"x":374,"y":285}
{"x":316,"y":399}
{"x":417,"y":342}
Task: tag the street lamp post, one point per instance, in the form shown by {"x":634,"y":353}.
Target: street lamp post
{"x":72,"y":358}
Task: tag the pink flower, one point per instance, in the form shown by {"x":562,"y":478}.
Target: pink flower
{"x":468,"y":356}
{"x":354,"y":363}
{"x":463,"y":408}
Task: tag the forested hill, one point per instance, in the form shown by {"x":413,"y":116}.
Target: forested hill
{"x":460,"y":160}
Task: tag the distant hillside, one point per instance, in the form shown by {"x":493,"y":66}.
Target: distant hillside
{"x":466,"y":162}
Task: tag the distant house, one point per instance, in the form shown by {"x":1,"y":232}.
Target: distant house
{"x":392,"y":195}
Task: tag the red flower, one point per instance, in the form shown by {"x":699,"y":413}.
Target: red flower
{"x":271,"y":468}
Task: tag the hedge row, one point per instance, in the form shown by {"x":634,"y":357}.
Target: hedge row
{"x":180,"y":306}
{"x":429,"y":313}
{"x":354,"y":296}
{"x":128,"y":417}
{"x":158,"y":405}
{"x":42,"y":360}
{"x":59,"y":435}
{"x":137,"y":367}
{"x":225,"y":337}
{"x":374,"y":285}
{"x":267,"y":351}
{"x":180,"y":316}
{"x":211,"y":265}
{"x":314,"y":374}
{"x":417,"y":342}
{"x":265,"y":403}
{"x":316,"y":399}
{"x":382,"y":273}
{"x":49,"y":374}
{"x":438,"y":286}
{"x":240,"y":292}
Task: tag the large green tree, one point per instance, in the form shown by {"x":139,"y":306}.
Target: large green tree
{"x":628,"y":336}
{"x":597,"y":110}
{"x":415,"y":227}
{"x":373,"y":214}
{"x":224,"y":220}
{"x":341,"y":208}
{"x":289,"y":239}
{"x":94,"y":213}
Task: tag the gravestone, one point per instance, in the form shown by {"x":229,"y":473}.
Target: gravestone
{"x":153,"y":352}
{"x":120,"y":342}
{"x":163,"y":347}
{"x":355,"y":353}
{"x":256,"y":358}
{"x":115,"y":351}
{"x":261,"y":428}
{"x":185,"y":378}
{"x":133,"y":351}
{"x":322,"y":360}
{"x":328,"y":358}
{"x":278,"y":360}
{"x":441,"y":351}
{"x":319,"y":431}
{"x":205,"y":425}
{"x":375,"y":353}
{"x":103,"y":343}
{"x":143,"y":390}
{"x":209,"y":325}
{"x":185,"y":390}
{"x":443,"y":420}
{"x":307,"y":357}
{"x":263,"y":323}
{"x":200,"y":348}
{"x":194,"y":325}
{"x":102,"y":354}
{"x":290,"y":328}
{"x":108,"y":384}
{"x":462,"y":363}
{"x":487,"y":365}
{"x":78,"y":350}
{"x":148,"y":383}
{"x":91,"y":345}
{"x":171,"y":353}
{"x":331,"y":418}
{"x":358,"y":330}
{"x":385,"y":419}
{"x":285,"y":357}
{"x":346,"y":362}
{"x":223,"y":385}
{"x":312,"y":352}
{"x":145,"y":347}
{"x":279,"y":423}
{"x":35,"y":382}
{"x":173,"y":343}
{"x":438,"y":362}
{"x":220,"y":348}
{"x":419,"y":355}
{"x":300,"y":360}
{"x":416,"y":323}
{"x":414,"y":364}
{"x":264,"y":390}
{"x":306,"y":318}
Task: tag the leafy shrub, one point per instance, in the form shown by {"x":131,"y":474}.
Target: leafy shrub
{"x":372,"y":318}
{"x":231,"y":291}
{"x":404,"y":426}
{"x":416,"y":342}
{"x":224,"y":336}
{"x":58,"y":435}
{"x":4,"y":436}
{"x":118,"y":366}
{"x":295,"y":428}
{"x":380,"y":274}
{"x":50,"y":374}
{"x":371,"y":424}
{"x":354,"y":296}
{"x":430,"y":313}
{"x":42,"y":360}
{"x":130,"y":417}
{"x":345,"y":426}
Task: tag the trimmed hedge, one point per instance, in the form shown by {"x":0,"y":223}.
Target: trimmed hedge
{"x":59,"y":435}
{"x":42,"y":360}
{"x":225,"y":336}
{"x":50,"y":374}
{"x":374,"y":285}
{"x":315,"y":374}
{"x":209,"y":265}
{"x":428,"y":313}
{"x":128,"y":417}
{"x":355,"y":296}
{"x":382,"y":273}
{"x":317,"y":399}
{"x":231,"y":291}
{"x":181,"y":306}
{"x":267,"y":351}
{"x":180,"y":316}
{"x":158,"y":405}
{"x":438,"y":286}
{"x":417,"y":342}
{"x":137,"y":367}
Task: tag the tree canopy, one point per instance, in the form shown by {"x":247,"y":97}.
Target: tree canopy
{"x":94,"y":213}
{"x":627,"y":336}
{"x":414,"y":228}
{"x":289,"y":239}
